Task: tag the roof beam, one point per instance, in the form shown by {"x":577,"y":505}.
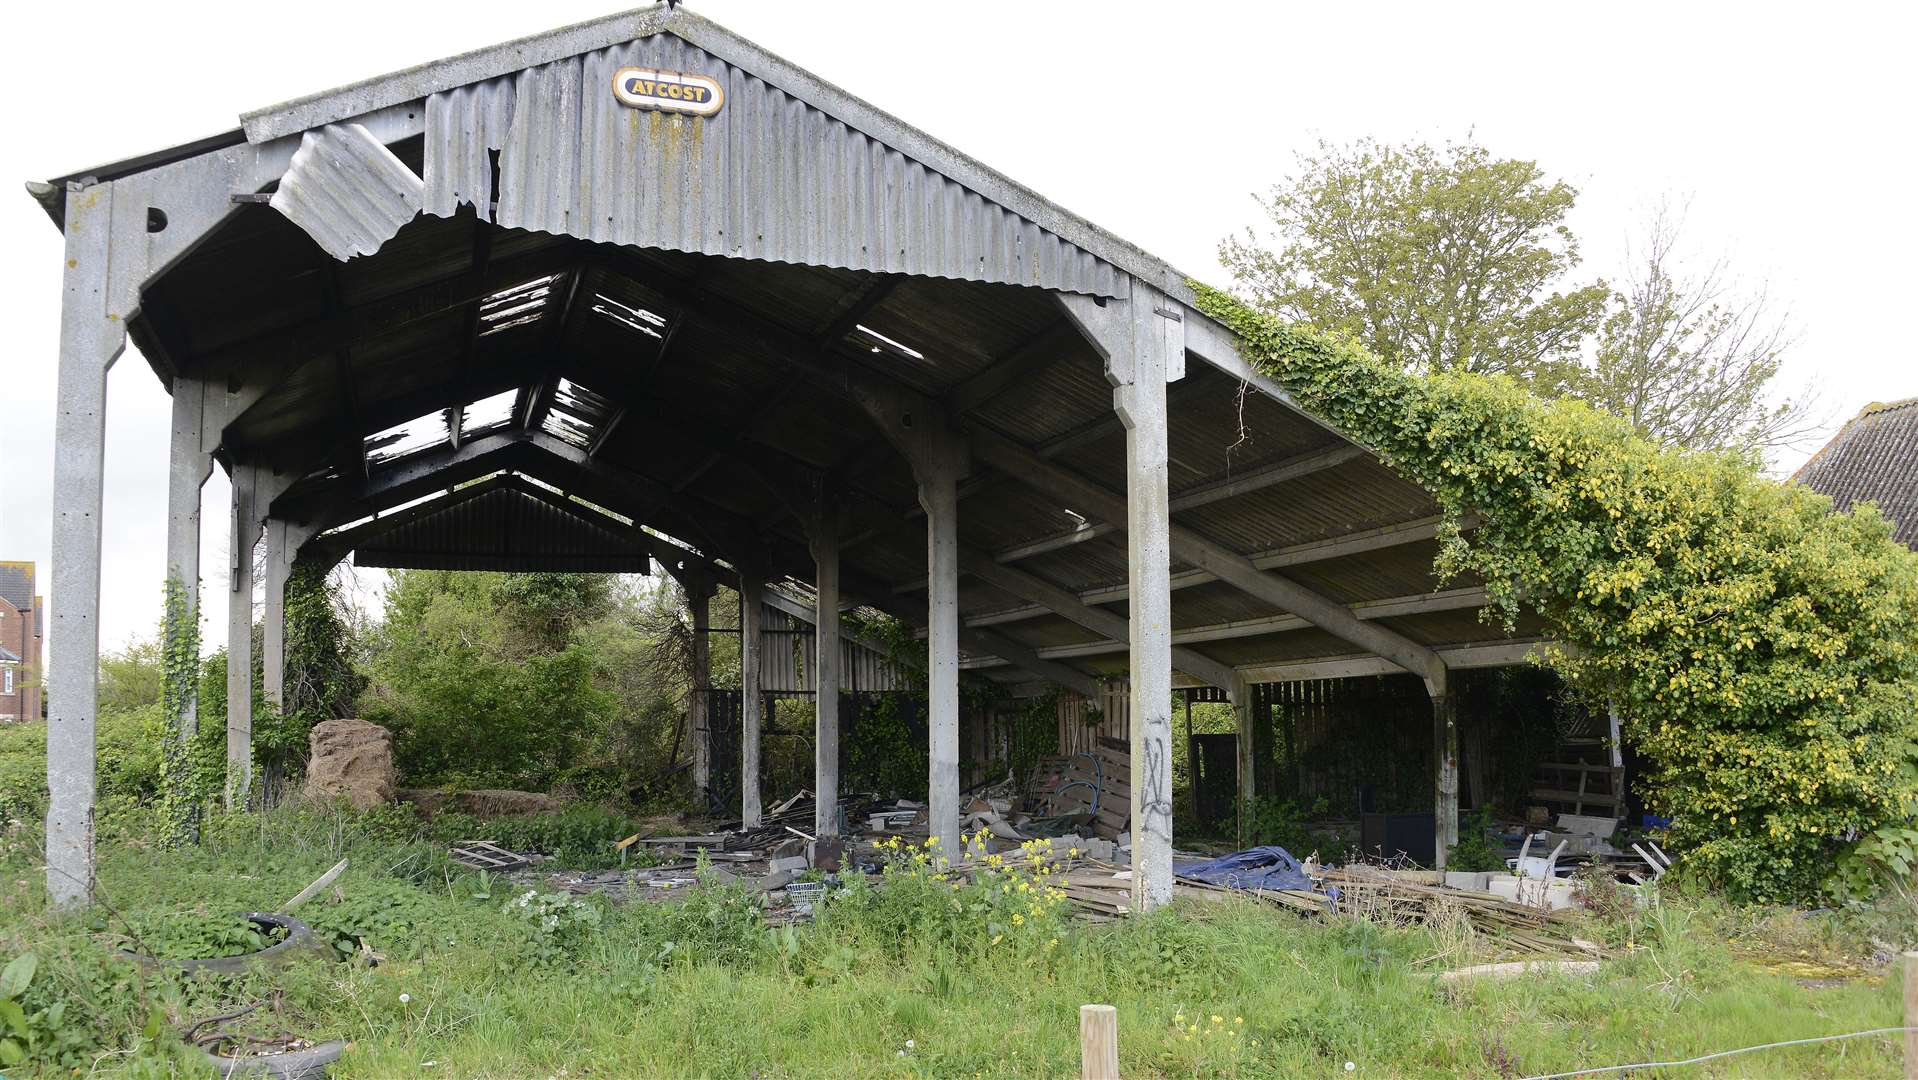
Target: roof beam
{"x":319,"y":337}
{"x":1391,"y":607}
{"x":1062,"y":602}
{"x":1197,"y":495}
{"x":1379,"y":539}
{"x":1047,"y":345}
{"x":1334,"y":618}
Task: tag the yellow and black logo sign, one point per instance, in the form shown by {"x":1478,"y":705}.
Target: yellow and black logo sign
{"x":668,"y":91}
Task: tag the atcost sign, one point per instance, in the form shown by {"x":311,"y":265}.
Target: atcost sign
{"x":668,"y":91}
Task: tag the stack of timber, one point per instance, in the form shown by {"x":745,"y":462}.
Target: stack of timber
{"x":1103,"y":891}
{"x":1522,"y":927}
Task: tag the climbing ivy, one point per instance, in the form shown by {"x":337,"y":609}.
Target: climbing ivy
{"x":1762,"y":651}
{"x":179,"y":797}
{"x":319,"y":679}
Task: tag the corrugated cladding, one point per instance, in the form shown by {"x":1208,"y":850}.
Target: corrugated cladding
{"x":347,"y":190}
{"x":787,"y":666}
{"x":768,"y":177}
{"x":1874,"y":458}
{"x":503,"y":529}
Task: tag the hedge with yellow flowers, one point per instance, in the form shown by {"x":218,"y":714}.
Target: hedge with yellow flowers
{"x":1762,"y":651}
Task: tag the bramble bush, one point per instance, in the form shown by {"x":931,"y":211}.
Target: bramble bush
{"x":1762,"y":651}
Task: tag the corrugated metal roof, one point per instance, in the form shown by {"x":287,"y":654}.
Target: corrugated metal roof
{"x":1873,"y":458}
{"x":738,"y":55}
{"x":768,"y":177}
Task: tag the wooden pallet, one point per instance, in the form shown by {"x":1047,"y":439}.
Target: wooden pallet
{"x":486,"y":855}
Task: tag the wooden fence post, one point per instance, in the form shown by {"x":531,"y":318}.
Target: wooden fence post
{"x":1911,"y":1016}
{"x":1099,"y":1041}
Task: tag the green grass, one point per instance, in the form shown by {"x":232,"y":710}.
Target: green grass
{"x":699,"y":989}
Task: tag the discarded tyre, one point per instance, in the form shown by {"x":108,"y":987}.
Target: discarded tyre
{"x":309,"y":1064}
{"x":298,"y":939}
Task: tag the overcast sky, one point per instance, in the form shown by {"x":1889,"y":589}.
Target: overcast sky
{"x":1787,"y":128}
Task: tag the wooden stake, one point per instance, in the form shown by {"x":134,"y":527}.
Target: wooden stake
{"x":1099,"y":1041}
{"x":313,"y":890}
{"x":1911,"y":1016}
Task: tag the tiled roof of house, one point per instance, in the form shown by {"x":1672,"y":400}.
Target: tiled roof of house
{"x":8,"y":656}
{"x":1874,"y":457}
{"x":16,"y":584}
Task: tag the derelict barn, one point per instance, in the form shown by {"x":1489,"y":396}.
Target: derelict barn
{"x":673,"y":299}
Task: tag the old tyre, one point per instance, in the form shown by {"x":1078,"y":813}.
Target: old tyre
{"x":299,"y":939}
{"x":296,"y":1065}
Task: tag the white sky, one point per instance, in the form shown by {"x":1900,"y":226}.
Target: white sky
{"x":1788,"y":127}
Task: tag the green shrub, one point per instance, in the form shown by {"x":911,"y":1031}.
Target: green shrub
{"x":1474,"y":850}
{"x":1761,"y":650}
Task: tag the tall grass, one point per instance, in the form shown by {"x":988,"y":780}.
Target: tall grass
{"x":890,"y":982}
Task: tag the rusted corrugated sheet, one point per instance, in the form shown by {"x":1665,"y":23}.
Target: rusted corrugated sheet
{"x":769,"y":177}
{"x":348,"y":191}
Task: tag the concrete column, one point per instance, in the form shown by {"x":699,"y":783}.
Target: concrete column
{"x":239,"y":637}
{"x":279,"y":563}
{"x":92,"y":335}
{"x":699,"y":597}
{"x":1141,"y":405}
{"x":939,"y":495}
{"x":188,"y":467}
{"x":918,"y":427}
{"x":1143,"y":343}
{"x":1248,"y":751}
{"x":751,"y":702}
{"x":826,"y":675}
{"x":1445,"y":779}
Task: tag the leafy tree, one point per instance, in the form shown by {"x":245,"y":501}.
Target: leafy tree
{"x":131,"y":677}
{"x":1762,"y":650}
{"x":1436,"y":258}
{"x":488,"y":679}
{"x":1687,"y":359}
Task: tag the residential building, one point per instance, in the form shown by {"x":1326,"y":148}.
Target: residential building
{"x":1874,"y":458}
{"x":22,"y":631}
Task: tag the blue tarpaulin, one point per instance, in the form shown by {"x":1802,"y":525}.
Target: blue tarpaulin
{"x":1256,"y":868}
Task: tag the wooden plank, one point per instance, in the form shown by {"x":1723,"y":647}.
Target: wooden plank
{"x":1555,"y":795}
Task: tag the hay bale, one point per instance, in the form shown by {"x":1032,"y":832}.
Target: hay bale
{"x":351,"y":760}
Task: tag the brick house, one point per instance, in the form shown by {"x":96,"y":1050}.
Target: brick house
{"x":22,"y":630}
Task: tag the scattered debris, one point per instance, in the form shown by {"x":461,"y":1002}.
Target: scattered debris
{"x":486,"y":855}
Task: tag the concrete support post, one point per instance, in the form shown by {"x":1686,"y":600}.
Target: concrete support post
{"x":699,"y":595}
{"x":279,"y":562}
{"x":939,"y":495}
{"x":751,"y":702}
{"x":919,"y":428}
{"x":188,"y":467}
{"x":239,"y":637}
{"x":826,"y":673}
{"x":1143,"y":343}
{"x":1445,"y":778}
{"x":1149,"y":597}
{"x":1248,"y":752}
{"x":92,"y":335}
